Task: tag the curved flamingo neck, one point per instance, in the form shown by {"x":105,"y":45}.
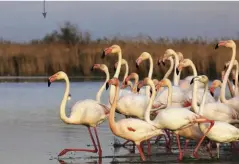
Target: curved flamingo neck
{"x":149,"y":75}
{"x":170,"y":70}
{"x":169,"y":99}
{"x":203,"y":98}
{"x":126,"y":70}
{"x":116,"y":75}
{"x":112,"y":122}
{"x":149,"y":107}
{"x":176,"y":77}
{"x":99,"y":93}
{"x":194,"y":99}
{"x":236,"y":79}
{"x":63,"y":103}
{"x":224,"y":83}
{"x":195,"y":73}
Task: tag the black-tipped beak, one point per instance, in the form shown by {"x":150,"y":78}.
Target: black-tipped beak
{"x":216,"y":47}
{"x":212,"y":94}
{"x":159,"y":63}
{"x":103,"y":55}
{"x":151,"y":91}
{"x":137,"y":66}
{"x":138,"y":89}
{"x":234,"y":82}
{"x":163,"y":63}
{"x":192,"y":80}
{"x":177,"y":71}
{"x":107,"y":86}
{"x":225,"y":67}
{"x":49,"y":83}
{"x":114,"y":69}
{"x":92,"y":68}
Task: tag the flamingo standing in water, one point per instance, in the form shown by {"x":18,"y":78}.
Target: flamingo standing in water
{"x":233,"y":102}
{"x":132,"y":129}
{"x":221,"y":132}
{"x":89,"y":113}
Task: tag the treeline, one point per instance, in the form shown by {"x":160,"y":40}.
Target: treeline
{"x":74,"y":52}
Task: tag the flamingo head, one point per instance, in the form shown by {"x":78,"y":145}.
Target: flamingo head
{"x":168,"y":53}
{"x":160,"y":60}
{"x":57,"y":76}
{"x":101,"y":67}
{"x":180,"y":56}
{"x":214,"y":85}
{"x":114,"y":49}
{"x":114,"y":81}
{"x":226,"y":43}
{"x":155,"y":81}
{"x":163,"y":83}
{"x":132,"y":75}
{"x":146,"y":81}
{"x":143,"y":56}
{"x":201,"y":78}
{"x":183,"y":63}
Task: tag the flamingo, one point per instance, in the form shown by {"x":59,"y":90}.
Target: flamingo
{"x":89,"y":113}
{"x":234,"y":76}
{"x":233,"y":102}
{"x":188,"y":96}
{"x":132,"y":129}
{"x":115,"y":49}
{"x":135,"y":76}
{"x":192,"y":132}
{"x":175,"y":118}
{"x":124,"y":62}
{"x":221,"y":132}
{"x":178,"y":93}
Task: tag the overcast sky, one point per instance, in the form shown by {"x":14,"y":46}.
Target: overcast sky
{"x":22,"y":21}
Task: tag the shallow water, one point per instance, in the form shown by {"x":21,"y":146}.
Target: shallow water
{"x":32,"y":132}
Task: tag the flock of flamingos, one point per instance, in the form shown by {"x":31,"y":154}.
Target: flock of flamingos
{"x":185,"y":108}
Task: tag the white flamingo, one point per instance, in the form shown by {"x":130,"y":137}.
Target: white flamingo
{"x":233,"y":102}
{"x":221,"y":132}
{"x":89,"y":113}
{"x":132,"y":129}
{"x":188,"y":96}
{"x":175,"y":118}
{"x":115,"y":49}
{"x":178,"y":95}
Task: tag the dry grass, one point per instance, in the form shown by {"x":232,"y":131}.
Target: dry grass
{"x":46,"y":59}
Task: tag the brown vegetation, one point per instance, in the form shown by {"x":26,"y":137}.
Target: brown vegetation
{"x":58,"y":51}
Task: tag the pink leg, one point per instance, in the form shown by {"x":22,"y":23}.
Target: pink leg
{"x":185,"y":146}
{"x":149,"y":147}
{"x":86,"y":150}
{"x":179,"y":148}
{"x":126,"y":142}
{"x":141,"y":152}
{"x":98,"y":143}
{"x":202,"y":120}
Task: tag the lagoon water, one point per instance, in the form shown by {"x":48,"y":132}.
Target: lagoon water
{"x":32,"y":132}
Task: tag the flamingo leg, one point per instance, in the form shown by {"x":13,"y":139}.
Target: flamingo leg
{"x":218,"y":150}
{"x":202,"y":120}
{"x":208,"y":146}
{"x":141,"y":152}
{"x":179,"y":148}
{"x":98,"y":143}
{"x":125,"y":143}
{"x":149,"y":147}
{"x":186,"y":145}
{"x":86,"y":150}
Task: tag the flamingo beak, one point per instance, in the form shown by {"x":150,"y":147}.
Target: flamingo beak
{"x":107,"y":86}
{"x":217,"y":46}
{"x":192,"y":80}
{"x":233,"y":81}
{"x":49,"y":83}
{"x":92,"y":68}
{"x":177,"y":71}
{"x":103,"y":55}
{"x":163,"y":63}
{"x":159,"y":62}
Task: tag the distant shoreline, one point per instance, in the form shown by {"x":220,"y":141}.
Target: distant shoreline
{"x":44,"y":78}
